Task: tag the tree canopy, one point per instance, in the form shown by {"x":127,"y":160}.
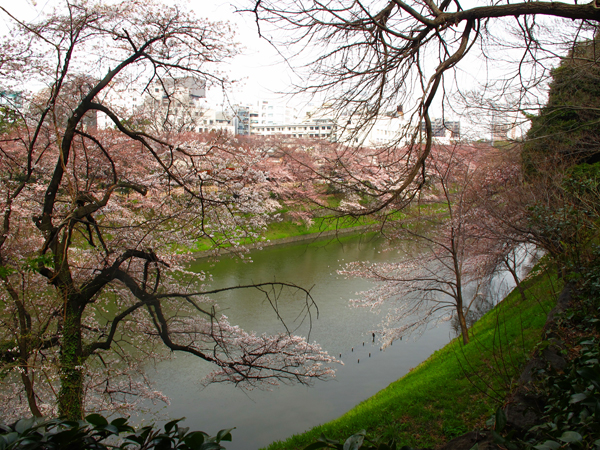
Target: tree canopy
{"x":372,"y":58}
{"x":566,"y":130}
{"x":97,"y":225}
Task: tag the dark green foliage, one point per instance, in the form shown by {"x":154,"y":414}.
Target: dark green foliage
{"x":583,"y":179}
{"x":591,"y":277}
{"x":571,"y":398}
{"x":9,"y":119}
{"x":498,"y":424}
{"x":567,"y":130}
{"x":96,"y":433}
{"x":567,"y":227}
{"x":572,"y":413}
{"x":561,"y":232}
{"x":453,"y":430}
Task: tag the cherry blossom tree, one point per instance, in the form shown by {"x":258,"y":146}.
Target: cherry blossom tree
{"x":306,"y":171}
{"x":450,"y":271}
{"x":97,"y":226}
{"x":552,"y":211}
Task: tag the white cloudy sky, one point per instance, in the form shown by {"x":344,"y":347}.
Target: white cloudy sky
{"x":260,"y":71}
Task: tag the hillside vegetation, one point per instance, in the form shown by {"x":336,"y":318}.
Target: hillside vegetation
{"x":458,"y":387}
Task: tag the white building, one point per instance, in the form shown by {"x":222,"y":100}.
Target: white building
{"x":313,"y":128}
{"x":175,"y":104}
{"x":187,"y":91}
{"x":212,"y":120}
{"x":167,"y":105}
{"x":125,"y":102}
{"x":272,"y":112}
{"x":387,"y":129}
{"x":323,"y":123}
{"x":269,"y":117}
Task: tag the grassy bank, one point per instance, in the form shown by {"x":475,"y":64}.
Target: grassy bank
{"x":458,"y":387}
{"x":287,"y":228}
{"x":290,"y":228}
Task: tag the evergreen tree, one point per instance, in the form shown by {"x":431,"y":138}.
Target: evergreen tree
{"x":567,"y":129}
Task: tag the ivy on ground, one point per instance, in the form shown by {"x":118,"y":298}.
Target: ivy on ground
{"x":571,"y":415}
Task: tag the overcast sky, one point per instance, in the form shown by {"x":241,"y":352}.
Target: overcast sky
{"x":259,"y":70}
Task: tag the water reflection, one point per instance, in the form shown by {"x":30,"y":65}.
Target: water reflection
{"x":521,"y":260}
{"x":264,"y":416}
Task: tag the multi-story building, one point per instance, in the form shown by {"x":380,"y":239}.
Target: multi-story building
{"x":323,"y":123}
{"x":212,"y":120}
{"x":273,"y":112}
{"x":176,"y":104}
{"x":385,"y":129}
{"x":185,"y":91}
{"x":314,"y":128}
{"x":444,"y":131}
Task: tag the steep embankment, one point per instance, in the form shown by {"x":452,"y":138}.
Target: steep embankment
{"x":458,"y":387}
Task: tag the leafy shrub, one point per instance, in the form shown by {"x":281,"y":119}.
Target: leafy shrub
{"x":571,"y":416}
{"x":96,"y":433}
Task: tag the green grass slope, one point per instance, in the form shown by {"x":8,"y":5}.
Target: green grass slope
{"x":458,"y":387}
